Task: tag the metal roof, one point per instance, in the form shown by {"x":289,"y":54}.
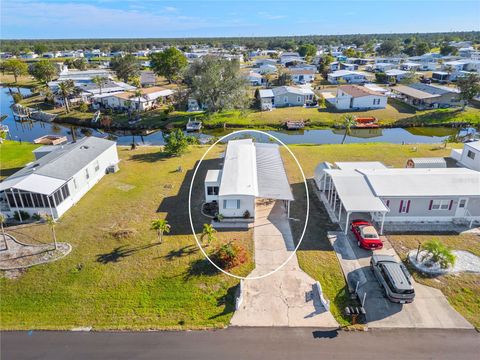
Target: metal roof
{"x":354,"y":165}
{"x":213,"y":176}
{"x":33,"y":183}
{"x":266,"y":93}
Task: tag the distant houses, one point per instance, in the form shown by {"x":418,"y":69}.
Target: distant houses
{"x":58,"y":178}
{"x":427,"y":96}
{"x":346,"y":76}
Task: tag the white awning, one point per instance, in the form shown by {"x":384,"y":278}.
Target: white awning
{"x":33,"y":183}
{"x":354,"y":192}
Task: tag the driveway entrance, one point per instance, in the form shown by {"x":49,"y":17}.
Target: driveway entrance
{"x":285,"y":298}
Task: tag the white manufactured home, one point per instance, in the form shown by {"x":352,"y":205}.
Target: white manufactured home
{"x":407,"y":195}
{"x":58,"y":178}
{"x":250,"y":171}
{"x":469,"y":156}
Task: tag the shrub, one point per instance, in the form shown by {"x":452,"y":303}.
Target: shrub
{"x":83,"y":107}
{"x":36,"y":217}
{"x":439,"y":253}
{"x":246,"y":214}
{"x":25,"y":215}
{"x":17,"y":97}
{"x":230,"y":255}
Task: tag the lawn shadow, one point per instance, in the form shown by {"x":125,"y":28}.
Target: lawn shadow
{"x":121,"y":252}
{"x":227,"y":301}
{"x":201,"y":267}
{"x":150,"y":157}
{"x":176,"y":206}
{"x":401,"y":107}
{"x":179,"y":253}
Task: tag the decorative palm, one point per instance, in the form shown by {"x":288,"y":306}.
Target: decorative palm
{"x":65,"y":89}
{"x":439,"y":253}
{"x":138,"y":95}
{"x":161,"y":226}
{"x":208,"y":232}
{"x":52,"y":223}
{"x":2,"y":220}
{"x":99,"y":81}
{"x":348,"y":122}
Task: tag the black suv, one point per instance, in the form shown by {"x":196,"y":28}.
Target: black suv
{"x":394,"y":278}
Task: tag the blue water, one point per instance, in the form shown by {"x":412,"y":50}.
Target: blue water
{"x":28,"y":131}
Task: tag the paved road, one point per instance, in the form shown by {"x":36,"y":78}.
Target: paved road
{"x":243,"y":343}
{"x":279,"y":299}
{"x":430,"y":309}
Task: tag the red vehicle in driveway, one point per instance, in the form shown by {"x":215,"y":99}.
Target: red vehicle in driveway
{"x":367,"y":236}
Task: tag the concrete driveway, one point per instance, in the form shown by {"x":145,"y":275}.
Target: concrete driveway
{"x":430,"y":309}
{"x":285,"y":298}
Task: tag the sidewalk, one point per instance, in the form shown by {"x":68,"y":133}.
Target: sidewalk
{"x":282,"y":298}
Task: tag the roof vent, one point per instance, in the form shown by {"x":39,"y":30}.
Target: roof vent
{"x":83,"y":147}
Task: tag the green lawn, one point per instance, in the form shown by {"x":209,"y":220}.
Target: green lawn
{"x":114,"y":282}
{"x":462,"y":290}
{"x":22,"y":81}
{"x":14,"y":155}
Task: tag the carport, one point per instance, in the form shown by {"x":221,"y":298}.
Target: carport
{"x":348,"y":190}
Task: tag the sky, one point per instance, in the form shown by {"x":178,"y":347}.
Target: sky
{"x":45,"y":19}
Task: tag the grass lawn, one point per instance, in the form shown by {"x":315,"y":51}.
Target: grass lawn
{"x":462,"y":290}
{"x":131,"y":282}
{"x":22,"y":81}
{"x":14,"y":155}
{"x":315,"y":255}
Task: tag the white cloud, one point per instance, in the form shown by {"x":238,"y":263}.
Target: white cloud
{"x":170,"y":9}
{"x":269,"y":16}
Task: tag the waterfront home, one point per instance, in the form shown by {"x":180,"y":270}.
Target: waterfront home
{"x":283,"y":96}
{"x":469,"y":156}
{"x":355,"y":97}
{"x":407,"y":195}
{"x":59,"y":177}
{"x":250,"y":171}
{"x":346,"y":76}
{"x":150,"y":98}
{"x":427,"y":96}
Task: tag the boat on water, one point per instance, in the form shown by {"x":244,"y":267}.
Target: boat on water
{"x":194,"y":125}
{"x":294,"y":125}
{"x":50,"y":140}
{"x":366,"y":122}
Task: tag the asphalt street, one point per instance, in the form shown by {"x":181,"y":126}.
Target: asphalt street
{"x":243,"y":343}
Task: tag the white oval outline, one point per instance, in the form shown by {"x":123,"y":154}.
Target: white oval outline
{"x":190,"y":206}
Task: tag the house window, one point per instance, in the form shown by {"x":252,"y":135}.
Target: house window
{"x":440,"y":205}
{"x":87,"y":175}
{"x":285,"y":99}
{"x":298,"y":99}
{"x":404,"y":207}
{"x":462,"y":203}
{"x":471,"y":154}
{"x":97,"y":166}
{"x":231,"y":204}
{"x":376,"y":101}
{"x":212,"y":190}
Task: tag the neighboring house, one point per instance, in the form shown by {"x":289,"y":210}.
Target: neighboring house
{"x":346,"y":76}
{"x":250,"y":171}
{"x":287,"y":58}
{"x":266,"y":69}
{"x":428,"y":62}
{"x":427,"y":96}
{"x":266,"y":99}
{"x":382,"y":67}
{"x":396,"y":75}
{"x":56,"y":181}
{"x":334,"y":66}
{"x":347,"y":66}
{"x":150,"y":98}
{"x":408,"y":65}
{"x":148,"y":78}
{"x":355,"y":97}
{"x":302,"y":76}
{"x":292,"y":96}
{"x":469,"y":156}
{"x":406,"y":195}
{"x":254,"y":79}
{"x":82,"y":75}
{"x":261,"y":62}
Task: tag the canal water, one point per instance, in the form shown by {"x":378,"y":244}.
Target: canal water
{"x":30,"y":130}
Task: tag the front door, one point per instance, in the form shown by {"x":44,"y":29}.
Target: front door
{"x":461,"y":207}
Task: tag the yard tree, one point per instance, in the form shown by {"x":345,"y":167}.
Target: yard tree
{"x":176,"y":142}
{"x":439,"y":253}
{"x":44,"y":71}
{"x":350,"y":52}
{"x":348,"y":121}
{"x":51,"y":224}
{"x":125,"y":67}
{"x":161,"y":226}
{"x":65,"y":89}
{"x":388,"y":47}
{"x":446,"y":49}
{"x":421,"y":48}
{"x":217,"y":83}
{"x":170,"y":63}
{"x":325,"y":62}
{"x":99,"y":81}
{"x":209,"y":233}
{"x":307,"y":50}
{"x":16,"y":67}
{"x":469,"y":87}
{"x":2,"y":220}
{"x":40,"y":48}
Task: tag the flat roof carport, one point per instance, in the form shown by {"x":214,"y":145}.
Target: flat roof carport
{"x":354,"y":193}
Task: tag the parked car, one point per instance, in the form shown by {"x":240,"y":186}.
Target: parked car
{"x":394,"y":278}
{"x":367,"y":236}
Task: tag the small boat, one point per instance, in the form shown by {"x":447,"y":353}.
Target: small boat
{"x":96,"y":116}
{"x":366,"y":122}
{"x":193,"y":125}
{"x":294,"y":125}
{"x":4,"y":128}
{"x":50,"y":140}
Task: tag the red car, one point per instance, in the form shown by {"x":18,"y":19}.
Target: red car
{"x":367,"y":236}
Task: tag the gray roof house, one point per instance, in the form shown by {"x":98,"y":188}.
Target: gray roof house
{"x":427,"y":96}
{"x":58,"y":178}
{"x":283,"y":96}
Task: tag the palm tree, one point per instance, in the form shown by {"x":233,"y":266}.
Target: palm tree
{"x":65,"y":89}
{"x":161,"y":226}
{"x":439,"y":253}
{"x":2,"y":220}
{"x":209,"y":232}
{"x":99,"y":81}
{"x":52,"y":223}
{"x":348,"y":122}
{"x":137,"y":94}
